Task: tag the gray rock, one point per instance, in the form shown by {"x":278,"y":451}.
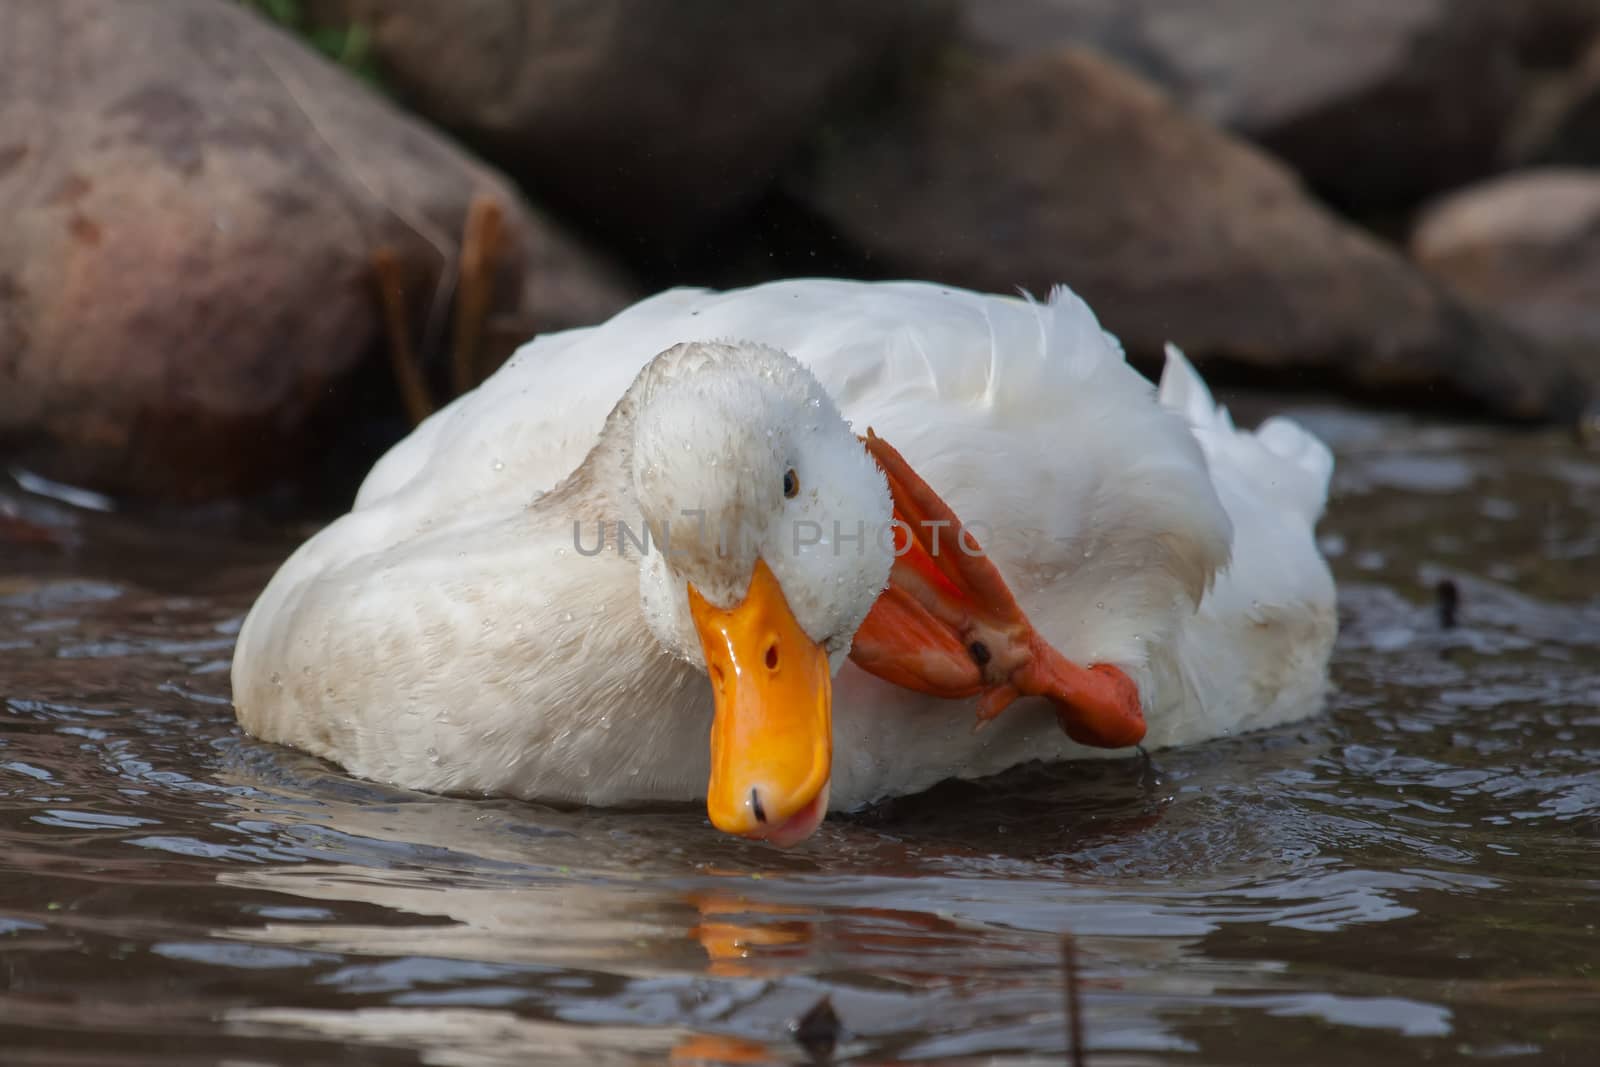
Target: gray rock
{"x":650,"y":121}
{"x":1377,"y":103}
{"x":192,"y":200}
{"x":1061,"y":167}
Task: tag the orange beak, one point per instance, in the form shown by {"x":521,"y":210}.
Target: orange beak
{"x":772,"y":737}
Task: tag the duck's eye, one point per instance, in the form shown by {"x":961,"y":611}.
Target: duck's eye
{"x":791,"y":484}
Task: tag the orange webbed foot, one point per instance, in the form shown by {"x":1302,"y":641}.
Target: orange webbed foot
{"x":948,"y":625}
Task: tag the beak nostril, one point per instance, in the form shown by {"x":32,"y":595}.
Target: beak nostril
{"x":772,"y":656}
{"x":755,"y":806}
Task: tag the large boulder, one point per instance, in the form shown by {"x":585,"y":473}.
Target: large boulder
{"x":1378,"y":103}
{"x":1526,"y":246}
{"x":192,"y":204}
{"x":1059,"y":166}
{"x":651,"y":121}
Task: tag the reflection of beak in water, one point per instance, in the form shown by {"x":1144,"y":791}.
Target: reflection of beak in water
{"x":731,"y":926}
{"x":747,"y":938}
{"x":709,"y":1049}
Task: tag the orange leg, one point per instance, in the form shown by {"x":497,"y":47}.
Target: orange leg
{"x":949,"y":626}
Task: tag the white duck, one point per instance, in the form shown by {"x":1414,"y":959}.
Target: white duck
{"x":462,"y":630}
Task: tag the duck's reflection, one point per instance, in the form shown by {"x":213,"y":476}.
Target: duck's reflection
{"x":627,"y":930}
{"x":593,"y":951}
{"x":476,"y":931}
{"x":476,"y":1037}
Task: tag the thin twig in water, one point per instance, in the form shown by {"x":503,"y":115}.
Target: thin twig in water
{"x":1449,"y":602}
{"x":1073,"y":1000}
{"x":407,"y":372}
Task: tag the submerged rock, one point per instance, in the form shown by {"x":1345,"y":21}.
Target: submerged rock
{"x":1526,"y":246}
{"x":648,"y":120}
{"x":192,"y":202}
{"x":1059,"y":166}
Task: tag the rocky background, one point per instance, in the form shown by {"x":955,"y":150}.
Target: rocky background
{"x":235,"y":229}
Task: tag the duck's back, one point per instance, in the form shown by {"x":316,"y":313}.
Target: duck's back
{"x":879,"y":348}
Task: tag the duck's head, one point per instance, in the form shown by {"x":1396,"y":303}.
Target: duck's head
{"x":766,"y":513}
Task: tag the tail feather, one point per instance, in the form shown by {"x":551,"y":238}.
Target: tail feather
{"x":1281,"y":459}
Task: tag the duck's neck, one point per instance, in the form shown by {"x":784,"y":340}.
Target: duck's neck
{"x":601,"y":488}
{"x":635,"y":708}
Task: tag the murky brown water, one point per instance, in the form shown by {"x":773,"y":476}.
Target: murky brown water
{"x":1414,"y":876}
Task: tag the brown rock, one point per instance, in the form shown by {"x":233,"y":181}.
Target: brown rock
{"x":1560,"y":119}
{"x":1061,"y":167}
{"x":649,"y":121}
{"x":192,"y":201}
{"x":1377,"y":103}
{"x":1553,"y":34}
{"x":1526,"y":246}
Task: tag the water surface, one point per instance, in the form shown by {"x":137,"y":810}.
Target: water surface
{"x":1413,"y":876}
